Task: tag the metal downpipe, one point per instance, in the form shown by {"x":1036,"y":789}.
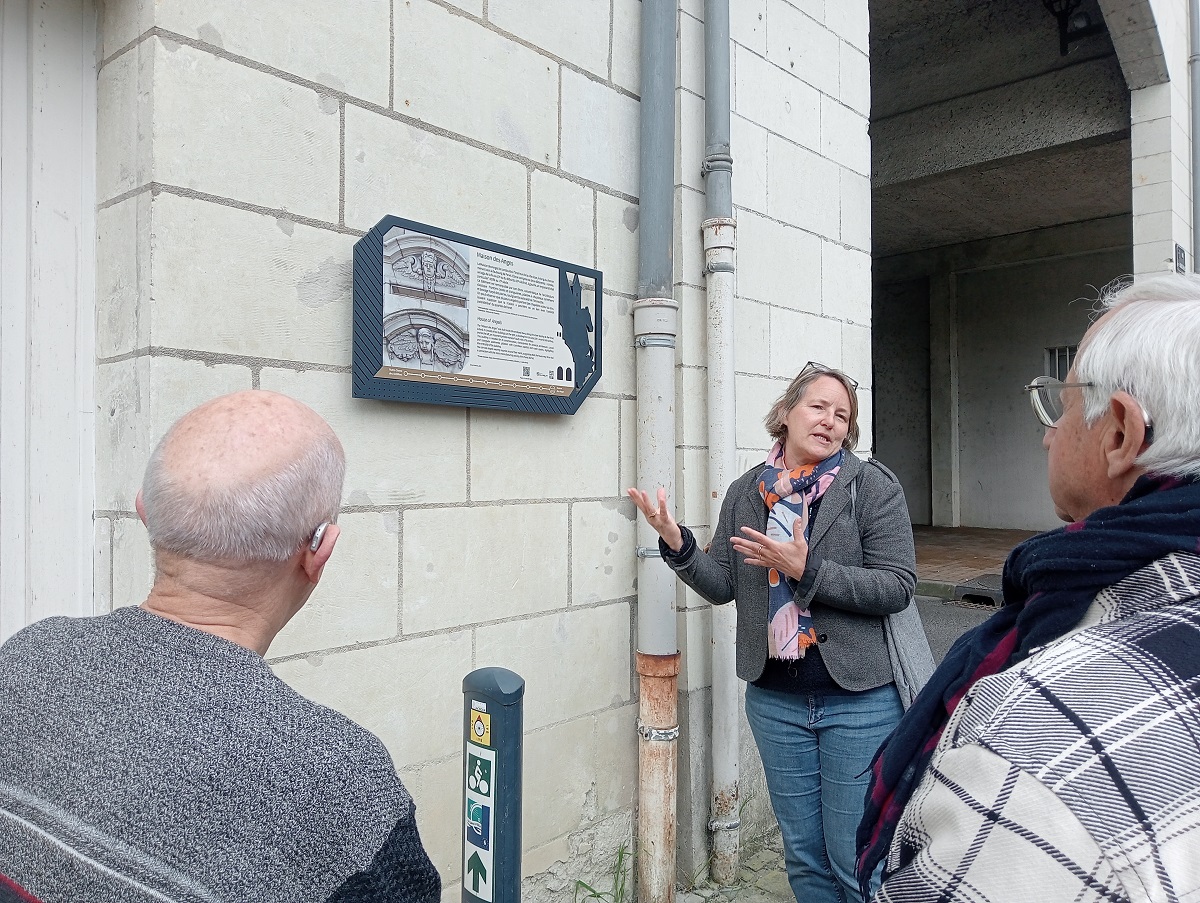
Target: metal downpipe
{"x":655,"y":327}
{"x":720,"y":233}
{"x":1194,"y":71}
{"x":724,"y":809}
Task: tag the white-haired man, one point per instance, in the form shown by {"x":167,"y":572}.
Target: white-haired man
{"x":151,"y":754}
{"x":1055,"y":753}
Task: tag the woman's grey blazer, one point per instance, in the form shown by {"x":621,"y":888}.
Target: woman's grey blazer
{"x":861,"y":568}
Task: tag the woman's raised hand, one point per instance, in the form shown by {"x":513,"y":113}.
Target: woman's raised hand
{"x":659,"y":516}
{"x":789,"y":558}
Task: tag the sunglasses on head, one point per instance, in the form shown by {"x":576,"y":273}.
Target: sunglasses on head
{"x":818,"y":367}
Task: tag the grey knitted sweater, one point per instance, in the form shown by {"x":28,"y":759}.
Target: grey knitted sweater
{"x":142,"y":760}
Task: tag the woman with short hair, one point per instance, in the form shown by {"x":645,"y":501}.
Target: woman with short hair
{"x":816,"y":546}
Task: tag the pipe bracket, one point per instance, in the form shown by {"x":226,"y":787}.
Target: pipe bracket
{"x":733,"y":824}
{"x":657,"y":734}
{"x":717,"y":162}
{"x":654,"y":341}
{"x":718,"y":266}
{"x":643,"y":552}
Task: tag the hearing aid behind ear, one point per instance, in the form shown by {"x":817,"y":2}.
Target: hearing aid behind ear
{"x":317,"y":536}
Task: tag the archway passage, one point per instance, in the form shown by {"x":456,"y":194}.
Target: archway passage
{"x":1002,"y":201}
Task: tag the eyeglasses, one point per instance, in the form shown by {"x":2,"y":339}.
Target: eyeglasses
{"x":818,"y":367}
{"x":1045,"y":394}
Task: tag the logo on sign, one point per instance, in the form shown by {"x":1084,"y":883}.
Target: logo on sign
{"x":481,"y":728}
{"x":479,"y":775}
{"x":479,"y":825}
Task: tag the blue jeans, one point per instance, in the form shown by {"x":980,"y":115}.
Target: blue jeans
{"x":816,"y":749}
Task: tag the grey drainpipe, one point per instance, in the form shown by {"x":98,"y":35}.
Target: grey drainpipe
{"x":1194,"y":66}
{"x":719,"y":231}
{"x":655,"y":319}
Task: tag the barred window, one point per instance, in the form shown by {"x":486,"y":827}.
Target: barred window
{"x":1059,"y":360}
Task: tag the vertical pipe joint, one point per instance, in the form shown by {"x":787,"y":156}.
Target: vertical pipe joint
{"x":655,"y":317}
{"x":659,"y":674}
{"x":720,"y":237}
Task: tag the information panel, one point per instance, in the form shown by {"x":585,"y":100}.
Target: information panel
{"x":443,"y":318}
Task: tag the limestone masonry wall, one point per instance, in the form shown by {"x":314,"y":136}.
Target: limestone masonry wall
{"x":243,"y":148}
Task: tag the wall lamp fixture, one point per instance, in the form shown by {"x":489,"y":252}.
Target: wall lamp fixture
{"x":1072,"y":25}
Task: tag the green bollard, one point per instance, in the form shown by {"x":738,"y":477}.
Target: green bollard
{"x":492,"y":736}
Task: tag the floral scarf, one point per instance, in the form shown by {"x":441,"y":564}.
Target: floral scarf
{"x":787,"y":494}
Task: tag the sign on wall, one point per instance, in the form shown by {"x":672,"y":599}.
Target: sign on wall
{"x":443,"y":318}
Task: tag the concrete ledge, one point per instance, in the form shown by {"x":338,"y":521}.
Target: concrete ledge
{"x":985,"y":589}
{"x":935,"y":589}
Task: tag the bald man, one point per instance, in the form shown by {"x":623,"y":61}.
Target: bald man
{"x":151,"y":754}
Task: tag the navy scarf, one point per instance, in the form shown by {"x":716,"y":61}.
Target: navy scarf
{"x":1050,"y":581}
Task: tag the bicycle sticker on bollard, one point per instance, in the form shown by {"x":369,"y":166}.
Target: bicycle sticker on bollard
{"x":492,"y":737}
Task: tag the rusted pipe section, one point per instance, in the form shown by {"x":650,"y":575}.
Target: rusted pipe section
{"x":658,"y":733}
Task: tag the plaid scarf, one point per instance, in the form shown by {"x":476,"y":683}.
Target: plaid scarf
{"x":788,"y":494}
{"x":1050,"y":581}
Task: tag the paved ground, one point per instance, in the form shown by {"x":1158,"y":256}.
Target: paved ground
{"x":945,"y":621}
{"x":762,"y":880}
{"x":947,"y":556}
{"x":944,"y":557}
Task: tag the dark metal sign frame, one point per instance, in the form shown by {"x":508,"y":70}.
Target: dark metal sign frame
{"x":579,"y":332}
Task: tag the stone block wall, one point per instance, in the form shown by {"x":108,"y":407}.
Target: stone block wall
{"x":1153,"y":48}
{"x":242,"y":152}
{"x":801,"y":192}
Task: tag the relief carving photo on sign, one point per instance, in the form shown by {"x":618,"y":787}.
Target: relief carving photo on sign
{"x":426,"y":322}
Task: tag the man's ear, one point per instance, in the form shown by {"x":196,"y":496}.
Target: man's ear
{"x":1126,"y":437}
{"x":140,"y":507}
{"x":313,"y":560}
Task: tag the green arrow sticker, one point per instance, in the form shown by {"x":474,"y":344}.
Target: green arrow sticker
{"x":478,"y":872}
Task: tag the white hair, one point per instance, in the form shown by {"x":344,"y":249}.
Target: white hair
{"x":266,"y":520}
{"x":1149,"y":346}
